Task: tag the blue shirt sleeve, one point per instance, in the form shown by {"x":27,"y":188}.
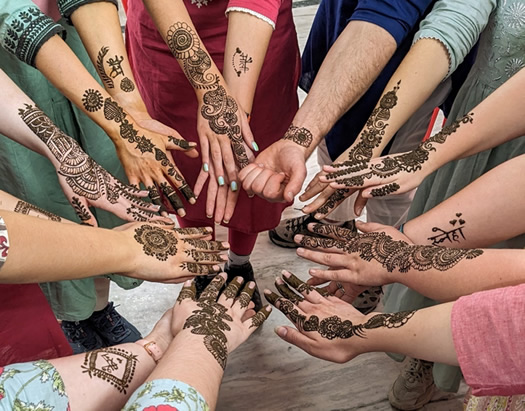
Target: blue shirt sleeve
{"x":398,"y":17}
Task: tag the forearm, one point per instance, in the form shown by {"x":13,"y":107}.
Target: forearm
{"x":192,"y":364}
{"x":56,"y":253}
{"x":426,"y":335}
{"x":91,"y":380}
{"x":99,"y":28}
{"x":482,"y":214}
{"x":11,"y":203}
{"x":350,"y":67}
{"x":246,"y":45}
{"x":423,"y":68}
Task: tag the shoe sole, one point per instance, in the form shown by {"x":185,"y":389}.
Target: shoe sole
{"x":274,"y":238}
{"x":423,"y":400}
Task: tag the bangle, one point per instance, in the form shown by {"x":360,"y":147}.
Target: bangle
{"x":152,"y":349}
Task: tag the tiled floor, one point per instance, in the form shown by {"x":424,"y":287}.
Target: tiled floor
{"x":267,"y":374}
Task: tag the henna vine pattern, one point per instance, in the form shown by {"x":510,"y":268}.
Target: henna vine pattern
{"x":193,"y":231}
{"x":200,"y":256}
{"x":232,"y":290}
{"x":114,"y":365}
{"x":92,"y":100}
{"x":299,"y":135}
{"x":108,"y":81}
{"x":398,"y":255}
{"x":156,"y":241}
{"x":80,"y":210}
{"x":408,"y":162}
{"x":385,"y":190}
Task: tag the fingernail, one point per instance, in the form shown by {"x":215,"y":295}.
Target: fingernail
{"x":233,"y":186}
{"x":220,"y":180}
{"x":209,"y":216}
{"x":224,"y":257}
{"x":206,"y":167}
{"x":300,"y":251}
{"x":285,"y":273}
{"x":281,"y":331}
{"x":225,"y":221}
{"x":313,"y":272}
{"x":181,"y":212}
{"x":255,"y":146}
{"x":298,"y":237}
{"x":251,"y":285}
{"x":192,"y":200}
{"x":216,"y":268}
{"x":318,"y":216}
{"x":225,"y":244}
{"x":251,"y":195}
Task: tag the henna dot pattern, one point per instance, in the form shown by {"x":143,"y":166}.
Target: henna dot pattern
{"x":156,"y":241}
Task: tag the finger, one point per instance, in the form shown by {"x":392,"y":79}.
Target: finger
{"x":154,"y":195}
{"x":138,"y":202}
{"x":245,"y":172}
{"x":360,"y":203}
{"x":308,"y":292}
{"x":194,"y":269}
{"x":216,"y":159}
{"x":247,"y":134}
{"x":382,"y":191}
{"x":231,"y":202}
{"x":260,"y":182}
{"x":81,"y":207}
{"x":273,"y":190}
{"x":344,"y":276}
{"x":370,"y":227}
{"x":333,"y":231}
{"x":211,"y":292}
{"x":245,"y":297}
{"x":295,"y":183}
{"x":207,"y":245}
{"x":316,"y":281}
{"x":179,"y":181}
{"x":199,"y":184}
{"x":296,"y":338}
{"x":194,"y":232}
{"x":324,"y":244}
{"x":179,"y":144}
{"x":213,"y":190}
{"x":313,"y":188}
{"x":220,"y":203}
{"x":229,"y":294}
{"x":205,"y":154}
{"x":202,"y":257}
{"x":134,"y":190}
{"x":294,"y":313}
{"x":189,"y":291}
{"x":332,"y":202}
{"x":228,"y":161}
{"x":286,"y":292}
{"x":138,"y":214}
{"x":323,"y":258}
{"x":173,"y":198}
{"x":258,"y":319}
{"x":248,"y":178}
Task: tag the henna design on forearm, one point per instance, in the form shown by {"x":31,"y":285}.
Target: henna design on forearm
{"x":22,"y":207}
{"x":92,"y":100}
{"x":108,"y":81}
{"x":113,"y":365}
{"x":299,"y":135}
{"x":400,"y":255}
{"x":408,"y":162}
{"x":339,"y":195}
{"x":385,"y":190}
{"x":126,"y":85}
{"x":453,"y":235}
{"x":156,"y":242}
{"x":371,"y":137}
{"x":240,"y":62}
{"x":205,"y":244}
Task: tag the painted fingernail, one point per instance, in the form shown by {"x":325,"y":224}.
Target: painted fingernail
{"x":255,"y":146}
{"x":233,"y":186}
{"x":220,"y":180}
{"x":206,"y":167}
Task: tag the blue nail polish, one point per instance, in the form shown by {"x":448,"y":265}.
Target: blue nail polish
{"x":233,"y":186}
{"x":255,"y":146}
{"x":205,"y":167}
{"x":220,"y":180}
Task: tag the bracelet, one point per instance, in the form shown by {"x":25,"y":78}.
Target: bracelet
{"x":152,"y":349}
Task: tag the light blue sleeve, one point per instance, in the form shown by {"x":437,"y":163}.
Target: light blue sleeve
{"x":168,"y":393}
{"x":24,"y":29}
{"x":457,"y":24}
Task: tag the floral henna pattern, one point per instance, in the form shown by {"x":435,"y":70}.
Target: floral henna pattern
{"x":156,"y":242}
{"x":259,"y":318}
{"x":187,"y":293}
{"x":299,"y":135}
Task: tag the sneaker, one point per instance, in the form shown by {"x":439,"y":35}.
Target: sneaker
{"x":367,"y":301}
{"x":283,"y":234}
{"x":414,"y":387}
{"x":81,"y":336}
{"x":245,"y":271}
{"x":112,"y":327}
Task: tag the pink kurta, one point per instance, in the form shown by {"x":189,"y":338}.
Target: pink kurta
{"x":171,"y":100}
{"x":489,"y":330}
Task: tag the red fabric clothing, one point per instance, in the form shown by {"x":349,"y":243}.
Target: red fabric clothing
{"x":171,"y":100}
{"x":241,"y":243}
{"x":268,"y":8}
{"x":488,"y":331}
{"x":28,"y":328}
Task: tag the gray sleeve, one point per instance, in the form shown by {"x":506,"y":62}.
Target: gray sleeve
{"x":457,"y":24}
{"x":67,"y":7}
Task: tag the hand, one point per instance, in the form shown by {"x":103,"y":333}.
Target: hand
{"x":278,"y":173}
{"x":327,"y":327}
{"x":172,"y":255}
{"x":85,"y":183}
{"x":222,"y":126}
{"x":222,"y":322}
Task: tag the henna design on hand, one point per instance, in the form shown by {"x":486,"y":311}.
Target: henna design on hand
{"x":22,"y":207}
{"x":330,"y":230}
{"x":80,"y":210}
{"x":233,"y":288}
{"x":400,"y":255}
{"x":301,"y":136}
{"x":408,"y":162}
{"x":157,"y":242}
{"x":180,"y":142}
{"x":172,"y":196}
{"x":259,"y":318}
{"x":187,"y":293}
{"x":201,"y":256}
{"x":339,"y":195}
{"x":92,"y":100}
{"x":113,"y":365}
{"x":298,"y":284}
{"x":108,"y":81}
{"x":205,"y":244}
{"x":287,"y":293}
{"x":198,"y":269}
{"x":385,"y":190}
{"x":192,"y":231}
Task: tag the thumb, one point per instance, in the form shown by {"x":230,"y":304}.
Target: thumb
{"x":81,"y":207}
{"x":294,"y":337}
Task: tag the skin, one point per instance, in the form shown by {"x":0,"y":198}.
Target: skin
{"x":279,"y":171}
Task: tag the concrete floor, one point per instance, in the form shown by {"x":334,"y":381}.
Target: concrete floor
{"x":266,"y":373}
